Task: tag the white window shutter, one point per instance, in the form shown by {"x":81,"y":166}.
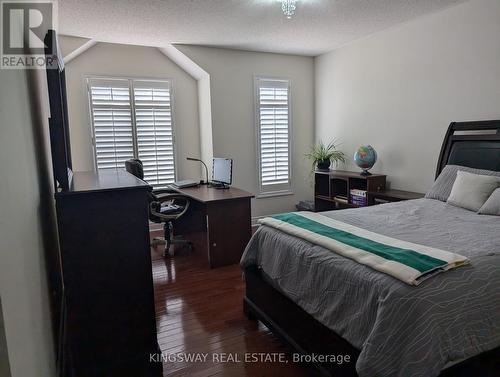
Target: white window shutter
{"x":273,"y":118}
{"x":133,"y":119}
{"x":155,"y":142}
{"x":112,"y":122}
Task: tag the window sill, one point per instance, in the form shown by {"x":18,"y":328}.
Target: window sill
{"x":270,"y":194}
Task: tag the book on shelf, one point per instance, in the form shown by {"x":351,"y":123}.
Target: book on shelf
{"x":359,"y":202}
{"x":357,"y":192}
{"x":358,"y":197}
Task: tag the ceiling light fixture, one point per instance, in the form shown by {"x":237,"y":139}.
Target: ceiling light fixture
{"x":288,"y":7}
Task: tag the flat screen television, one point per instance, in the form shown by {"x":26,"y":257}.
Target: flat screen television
{"x":58,"y":121}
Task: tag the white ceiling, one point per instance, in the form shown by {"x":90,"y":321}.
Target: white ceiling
{"x":318,"y":27}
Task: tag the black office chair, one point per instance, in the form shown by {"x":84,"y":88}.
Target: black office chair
{"x":165,"y":206}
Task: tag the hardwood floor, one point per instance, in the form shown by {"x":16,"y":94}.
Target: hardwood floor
{"x":199,"y":311}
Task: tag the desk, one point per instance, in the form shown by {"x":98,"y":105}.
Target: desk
{"x":218,"y":223}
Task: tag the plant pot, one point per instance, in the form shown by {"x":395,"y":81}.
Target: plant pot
{"x":323,"y":164}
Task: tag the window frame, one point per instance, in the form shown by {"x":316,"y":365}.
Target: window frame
{"x":272,"y":190}
{"x":171,"y":81}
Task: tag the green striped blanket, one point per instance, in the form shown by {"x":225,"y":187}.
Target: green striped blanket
{"x":406,"y":261}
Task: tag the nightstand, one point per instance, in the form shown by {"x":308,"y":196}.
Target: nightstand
{"x":387,"y":196}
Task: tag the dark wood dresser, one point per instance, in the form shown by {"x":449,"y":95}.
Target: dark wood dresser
{"x":109,"y":326}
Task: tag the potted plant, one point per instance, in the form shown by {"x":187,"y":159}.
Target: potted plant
{"x":323,"y":155}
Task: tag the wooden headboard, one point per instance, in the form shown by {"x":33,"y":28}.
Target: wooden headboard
{"x":471,"y":144}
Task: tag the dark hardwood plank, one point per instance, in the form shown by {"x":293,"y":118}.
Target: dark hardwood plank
{"x":200,"y":310}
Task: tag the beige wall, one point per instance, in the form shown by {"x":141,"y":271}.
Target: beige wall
{"x":26,"y":223}
{"x":106,"y":59}
{"x":233,"y":115}
{"x":399,"y":89}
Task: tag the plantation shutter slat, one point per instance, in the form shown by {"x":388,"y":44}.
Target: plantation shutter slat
{"x":133,"y":119}
{"x":273,"y":123}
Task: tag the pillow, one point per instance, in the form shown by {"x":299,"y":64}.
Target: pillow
{"x":492,"y":205}
{"x":441,"y":188}
{"x":470,"y":191}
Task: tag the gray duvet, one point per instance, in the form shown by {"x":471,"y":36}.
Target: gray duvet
{"x":401,"y":330}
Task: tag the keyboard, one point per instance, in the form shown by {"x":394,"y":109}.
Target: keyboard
{"x":186,"y":183}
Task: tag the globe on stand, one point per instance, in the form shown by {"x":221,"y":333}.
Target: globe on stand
{"x":365,"y":157}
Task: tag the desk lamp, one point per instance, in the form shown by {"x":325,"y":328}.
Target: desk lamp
{"x":206,"y":169}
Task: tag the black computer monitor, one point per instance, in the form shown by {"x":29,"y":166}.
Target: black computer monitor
{"x":222,"y":171}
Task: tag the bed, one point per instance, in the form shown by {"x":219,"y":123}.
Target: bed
{"x":321,"y":303}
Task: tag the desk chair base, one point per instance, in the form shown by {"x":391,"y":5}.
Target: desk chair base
{"x":168,"y":241}
{"x":169,"y":251}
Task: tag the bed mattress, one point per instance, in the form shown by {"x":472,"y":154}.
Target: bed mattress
{"x":401,"y":330}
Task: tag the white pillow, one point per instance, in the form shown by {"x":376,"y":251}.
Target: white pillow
{"x":492,"y":205}
{"x":470,"y":191}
